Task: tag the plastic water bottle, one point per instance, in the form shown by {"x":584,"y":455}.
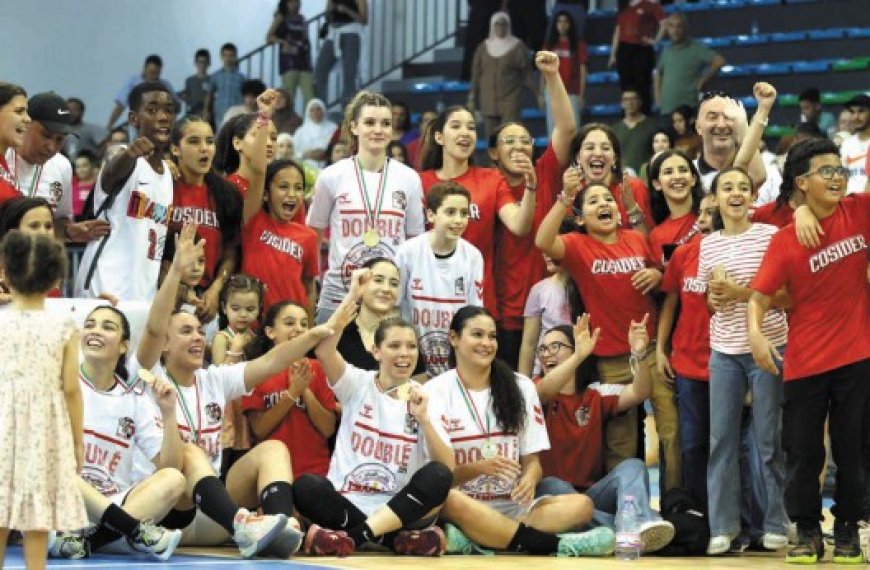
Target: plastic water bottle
{"x":627,"y":530}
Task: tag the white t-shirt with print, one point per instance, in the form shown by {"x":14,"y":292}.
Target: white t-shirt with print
{"x":853,"y":153}
{"x":339,"y":207}
{"x":53,"y":181}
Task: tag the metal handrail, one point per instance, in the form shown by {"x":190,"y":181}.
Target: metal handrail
{"x":406,"y":30}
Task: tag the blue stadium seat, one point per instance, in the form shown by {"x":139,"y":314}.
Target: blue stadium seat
{"x":819,"y":66}
{"x":481,"y":145}
{"x":605,"y":110}
{"x":542,"y":142}
{"x":772,"y":68}
{"x":602,"y":77}
{"x":697,"y":7}
{"x":721,"y":41}
{"x":425,"y":88}
{"x":763,"y":2}
{"x":720,"y":4}
{"x":829,"y":34}
{"x":788,"y":36}
{"x":609,"y":13}
{"x":736,"y":70}
{"x":599,"y":49}
{"x":748,"y":102}
{"x":858,"y":33}
{"x":531,"y":113}
{"x":455,"y":86}
{"x":800,"y":1}
{"x":747,"y":40}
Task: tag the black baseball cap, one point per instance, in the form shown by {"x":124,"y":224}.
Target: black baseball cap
{"x":51,"y":110}
{"x":860,"y":100}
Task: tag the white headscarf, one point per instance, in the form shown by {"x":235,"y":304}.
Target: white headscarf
{"x":495,"y":45}
{"x":311,"y":135}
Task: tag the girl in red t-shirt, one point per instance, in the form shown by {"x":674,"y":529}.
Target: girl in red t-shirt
{"x":14,"y":121}
{"x":614,"y":271}
{"x":564,"y":40}
{"x":675,"y":199}
{"x":448,"y":146}
{"x":597,"y":157}
{"x":202,"y":197}
{"x":296,"y":406}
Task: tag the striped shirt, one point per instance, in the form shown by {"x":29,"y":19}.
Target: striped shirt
{"x":741,"y":256}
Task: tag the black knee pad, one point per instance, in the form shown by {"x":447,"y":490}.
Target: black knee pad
{"x":308,"y":489}
{"x":426,"y":490}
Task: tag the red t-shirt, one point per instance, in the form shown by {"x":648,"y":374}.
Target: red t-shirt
{"x":242,"y":184}
{"x":518,"y":263}
{"x":8,"y":183}
{"x":281,"y":255}
{"x":670,"y":231}
{"x":193,"y":204}
{"x":639,"y":21}
{"x":308,"y":448}
{"x":569,"y":63}
{"x":603,"y":274}
{"x":489,"y":194}
{"x":829,"y":322}
{"x":690,"y":344}
{"x":770,"y":214}
{"x":641,"y":197}
{"x":575,"y":424}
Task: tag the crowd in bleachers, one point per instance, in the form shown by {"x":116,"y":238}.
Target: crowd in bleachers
{"x":371,"y":339}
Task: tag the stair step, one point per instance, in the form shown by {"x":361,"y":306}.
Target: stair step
{"x":448,"y":54}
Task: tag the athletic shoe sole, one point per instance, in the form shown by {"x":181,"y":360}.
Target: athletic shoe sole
{"x":655,"y":535}
{"x":286,"y":544}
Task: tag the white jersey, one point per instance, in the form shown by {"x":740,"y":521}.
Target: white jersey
{"x":766,"y":193}
{"x":199,"y":409}
{"x":117,"y":424}
{"x":433,"y":289}
{"x":338,"y":206}
{"x":51,"y":181}
{"x":463,"y":416}
{"x":129,"y":264}
{"x":853,"y":152}
{"x":379,"y":444}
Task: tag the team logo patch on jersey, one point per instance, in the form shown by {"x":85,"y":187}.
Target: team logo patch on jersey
{"x":343,"y":199}
{"x":488,"y":486}
{"x":417,"y":284}
{"x":366,"y":411}
{"x":400,"y":200}
{"x":411,"y":425}
{"x":126,"y":428}
{"x":358,"y":255}
{"x":213,"y":413}
{"x":582,"y":416}
{"x":99,"y":480}
{"x":436,"y":350}
{"x":55,"y":192}
{"x":459,"y":286}
{"x":371,"y":478}
{"x":479,"y":286}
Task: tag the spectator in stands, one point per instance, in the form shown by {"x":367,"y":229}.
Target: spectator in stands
{"x":251,"y":89}
{"x":500,"y":69}
{"x":807,"y":130}
{"x":43,"y":172}
{"x":227,"y":82}
{"x":290,"y":31}
{"x":285,"y":118}
{"x":398,"y":152}
{"x":343,"y":41}
{"x":530,"y":21}
{"x":313,"y":136}
{"x":413,"y":147}
{"x":479,"y":14}
{"x":854,"y":149}
{"x":337,"y":150}
{"x":565,"y":40}
{"x":634,"y":131}
{"x":685,"y":66}
{"x":576,"y":9}
{"x":810,"y":104}
{"x":118,"y":135}
{"x":199,"y":87}
{"x":150,"y":72}
{"x":687,"y":138}
{"x":662,"y":140}
{"x":86,"y":168}
{"x":403,"y":131}
{"x":638,"y":28}
{"x":87,"y":135}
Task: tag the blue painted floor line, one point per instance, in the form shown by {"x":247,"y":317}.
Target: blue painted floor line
{"x":15,"y":561}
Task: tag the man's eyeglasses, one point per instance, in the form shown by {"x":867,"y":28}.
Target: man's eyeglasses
{"x":511,"y":141}
{"x":552,"y":348}
{"x":828,"y":172}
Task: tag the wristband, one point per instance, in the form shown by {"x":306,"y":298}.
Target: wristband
{"x":762,"y":121}
{"x":532,"y":188}
{"x":565,"y":201}
{"x":234,"y":353}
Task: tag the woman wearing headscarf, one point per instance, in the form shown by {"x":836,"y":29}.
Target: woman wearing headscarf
{"x":313,"y":136}
{"x":501,"y":66}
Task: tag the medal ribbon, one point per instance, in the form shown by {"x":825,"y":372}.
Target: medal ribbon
{"x":372,"y":214}
{"x":472,"y":408}
{"x":34,"y":180}
{"x":188,"y":417}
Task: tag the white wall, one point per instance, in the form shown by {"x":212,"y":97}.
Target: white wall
{"x":87,"y":48}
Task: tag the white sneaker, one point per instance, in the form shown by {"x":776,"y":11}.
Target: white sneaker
{"x":253,"y":533}
{"x":719,"y":544}
{"x":864,"y":538}
{"x":655,"y":535}
{"x":155,"y":542}
{"x":791,"y":532}
{"x":65,"y":545}
{"x":773,"y":541}
{"x":287,"y":542}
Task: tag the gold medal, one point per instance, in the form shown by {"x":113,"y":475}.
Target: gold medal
{"x":147,"y":377}
{"x":371,"y":238}
{"x":489,"y":450}
{"x":403,"y":391}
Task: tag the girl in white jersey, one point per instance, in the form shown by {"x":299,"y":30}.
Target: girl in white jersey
{"x":259,"y":479}
{"x":369,"y":204}
{"x":496,"y":427}
{"x":119,"y":423}
{"x":379,"y":480}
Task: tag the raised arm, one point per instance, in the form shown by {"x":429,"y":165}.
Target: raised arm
{"x":547,"y":239}
{"x":254,"y":198}
{"x":641,"y":387}
{"x":172,"y":451}
{"x":118,"y":169}
{"x":438,"y":448}
{"x":186,"y":256}
{"x":560,"y":104}
{"x":765,"y":95}
{"x":331,"y":360}
{"x":531,"y":333}
{"x":558,"y":377}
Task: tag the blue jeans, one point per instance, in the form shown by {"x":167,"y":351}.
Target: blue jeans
{"x":693,"y":406}
{"x":630,"y":477}
{"x":730,"y":377}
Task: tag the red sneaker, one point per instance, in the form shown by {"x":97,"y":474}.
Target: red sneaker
{"x":324,"y":542}
{"x":427,"y":542}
